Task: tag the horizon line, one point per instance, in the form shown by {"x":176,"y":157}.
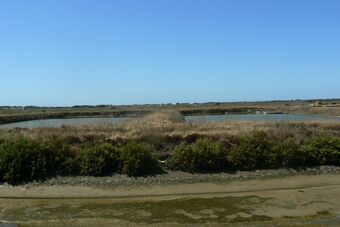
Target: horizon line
{"x":174,"y":103}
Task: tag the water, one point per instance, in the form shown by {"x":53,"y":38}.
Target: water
{"x":260,"y":117}
{"x":56,"y":123}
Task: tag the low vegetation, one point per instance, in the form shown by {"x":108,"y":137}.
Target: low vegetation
{"x":24,"y":159}
{"x":163,"y":141}
{"x":99,"y":160}
{"x":204,"y":155}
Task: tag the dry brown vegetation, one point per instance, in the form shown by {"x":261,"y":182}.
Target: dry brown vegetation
{"x":324,"y":107}
{"x":171,"y":124}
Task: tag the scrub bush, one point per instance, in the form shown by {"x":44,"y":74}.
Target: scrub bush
{"x":252,"y":152}
{"x":64,"y":158}
{"x":99,"y":160}
{"x":24,"y":160}
{"x":322,"y":150}
{"x":204,"y":155}
{"x":287,"y":153}
{"x":137,"y":159}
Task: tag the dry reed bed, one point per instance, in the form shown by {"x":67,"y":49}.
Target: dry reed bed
{"x":171,"y":124}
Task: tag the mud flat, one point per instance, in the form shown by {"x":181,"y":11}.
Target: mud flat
{"x":301,"y":200}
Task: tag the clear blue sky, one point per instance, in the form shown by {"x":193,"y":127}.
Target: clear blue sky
{"x":67,"y":52}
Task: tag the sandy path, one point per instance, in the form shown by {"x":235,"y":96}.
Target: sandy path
{"x":295,"y":196}
{"x":251,"y":187}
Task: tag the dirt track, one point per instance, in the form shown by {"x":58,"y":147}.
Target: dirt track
{"x":238,"y":188}
{"x":294,"y":197}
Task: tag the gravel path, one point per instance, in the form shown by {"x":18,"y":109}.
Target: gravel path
{"x":177,"y":177}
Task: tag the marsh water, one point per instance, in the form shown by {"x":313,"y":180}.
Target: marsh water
{"x":56,"y":123}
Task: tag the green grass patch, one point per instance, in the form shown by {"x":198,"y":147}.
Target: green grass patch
{"x":182,"y":211}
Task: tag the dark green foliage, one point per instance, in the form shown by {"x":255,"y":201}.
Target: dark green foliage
{"x":99,"y":160}
{"x":64,"y":158}
{"x":252,"y":152}
{"x":181,"y":159}
{"x":25,"y":160}
{"x":137,"y":159}
{"x":204,"y":155}
{"x":256,"y":151}
{"x":287,"y":153}
{"x":323,"y":150}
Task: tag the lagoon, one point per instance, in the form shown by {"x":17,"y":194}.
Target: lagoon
{"x":57,"y":123}
{"x":108,"y":121}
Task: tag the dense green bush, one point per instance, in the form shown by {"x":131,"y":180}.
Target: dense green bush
{"x":323,"y":150}
{"x":204,"y":155}
{"x":287,"y":153}
{"x":137,"y":159}
{"x":99,"y":160}
{"x":64,"y":160}
{"x":25,"y":160}
{"x":252,"y":152}
{"x":181,"y":159}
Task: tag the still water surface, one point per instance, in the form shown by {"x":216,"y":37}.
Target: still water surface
{"x":56,"y":123}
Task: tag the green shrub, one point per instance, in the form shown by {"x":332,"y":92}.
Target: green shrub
{"x":181,"y":159}
{"x":99,"y":160}
{"x":24,"y":160}
{"x":64,"y":158}
{"x":137,"y":159}
{"x":287,"y":153}
{"x":252,"y":152}
{"x":323,"y":150}
{"x":204,"y":155}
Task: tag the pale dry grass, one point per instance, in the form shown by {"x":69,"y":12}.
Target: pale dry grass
{"x":170,"y":124}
